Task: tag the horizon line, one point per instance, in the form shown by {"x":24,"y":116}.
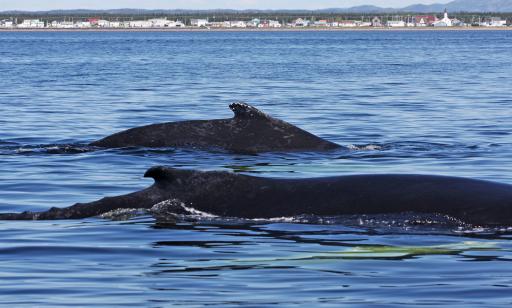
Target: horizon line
{"x":223,"y":8}
{"x":216,"y":9}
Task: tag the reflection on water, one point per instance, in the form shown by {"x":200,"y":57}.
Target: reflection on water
{"x":394,"y":101}
{"x":138,"y":262}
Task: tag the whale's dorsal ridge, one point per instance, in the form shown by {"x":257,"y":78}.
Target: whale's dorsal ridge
{"x":160,"y":173}
{"x":249,"y":131}
{"x":246,"y":111}
{"x":166,"y":175}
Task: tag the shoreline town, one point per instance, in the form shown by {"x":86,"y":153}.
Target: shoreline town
{"x":318,"y":29}
{"x":333,"y":23}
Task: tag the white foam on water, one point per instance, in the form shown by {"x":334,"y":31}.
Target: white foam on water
{"x":369,"y":147}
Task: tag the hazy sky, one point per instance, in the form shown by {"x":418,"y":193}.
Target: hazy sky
{"x":34,"y":5}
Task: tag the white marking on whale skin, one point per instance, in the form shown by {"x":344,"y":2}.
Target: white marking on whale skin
{"x":122,"y":214}
{"x":170,"y":207}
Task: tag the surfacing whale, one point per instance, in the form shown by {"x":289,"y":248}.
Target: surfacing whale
{"x":227,"y":194}
{"x":249,"y":131}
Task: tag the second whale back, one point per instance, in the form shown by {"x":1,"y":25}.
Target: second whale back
{"x":249,"y":131}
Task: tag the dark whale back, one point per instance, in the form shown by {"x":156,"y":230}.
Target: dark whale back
{"x":237,"y":195}
{"x":234,"y":195}
{"x":249,"y":131}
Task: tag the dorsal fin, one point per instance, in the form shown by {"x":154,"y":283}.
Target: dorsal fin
{"x":160,"y":173}
{"x":246,"y":111}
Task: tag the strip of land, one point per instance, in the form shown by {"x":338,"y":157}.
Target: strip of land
{"x":366,"y":29}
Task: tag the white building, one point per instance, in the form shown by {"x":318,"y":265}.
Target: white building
{"x":140,"y":24}
{"x":348,"y":24}
{"x":31,"y":23}
{"x":445,"y":22}
{"x":83,"y":24}
{"x":320,"y":23}
{"x":299,"y":22}
{"x":458,"y":23}
{"x":254,"y":23}
{"x":115,"y":24}
{"x":103,"y":23}
{"x":62,"y":24}
{"x":395,"y":23}
{"x":198,"y":22}
{"x":216,"y":24}
{"x":159,"y":22}
{"x":494,"y":22}
{"x":176,"y":24}
{"x":498,"y":23}
{"x":238,"y":24}
{"x":269,"y":24}
{"x":376,"y":22}
{"x":6,"y":24}
{"x":274,"y":24}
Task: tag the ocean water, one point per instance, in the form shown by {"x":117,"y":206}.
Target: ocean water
{"x":431,"y":102}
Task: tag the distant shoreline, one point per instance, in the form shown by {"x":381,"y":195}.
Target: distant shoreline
{"x":256,"y":29}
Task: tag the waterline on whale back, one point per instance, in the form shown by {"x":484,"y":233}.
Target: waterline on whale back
{"x":171,"y":212}
{"x":174,"y":211}
{"x":402,"y":149}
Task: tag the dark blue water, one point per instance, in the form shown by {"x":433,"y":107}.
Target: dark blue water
{"x":428,"y":102}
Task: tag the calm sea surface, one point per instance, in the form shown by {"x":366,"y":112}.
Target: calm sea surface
{"x":402,"y":102}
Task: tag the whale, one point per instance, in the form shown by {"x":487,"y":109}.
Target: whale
{"x":226,"y":194}
{"x":249,"y":131}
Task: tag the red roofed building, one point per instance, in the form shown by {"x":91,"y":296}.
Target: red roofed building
{"x":425,"y":20}
{"x":93,"y":21}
